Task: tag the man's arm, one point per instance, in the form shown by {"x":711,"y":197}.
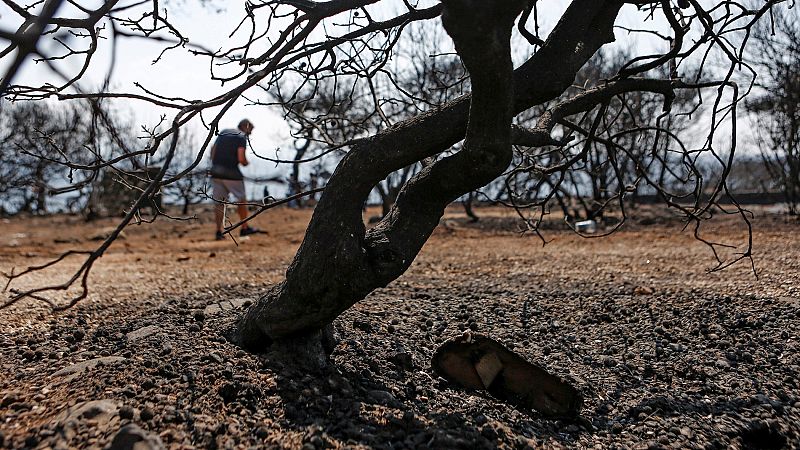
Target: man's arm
{"x":242,"y":156}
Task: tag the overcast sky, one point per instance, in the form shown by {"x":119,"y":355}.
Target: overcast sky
{"x":180,"y":74}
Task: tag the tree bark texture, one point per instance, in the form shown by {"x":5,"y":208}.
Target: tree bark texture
{"x":339,"y":261}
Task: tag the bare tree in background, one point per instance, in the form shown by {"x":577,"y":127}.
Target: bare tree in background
{"x":338,"y":39}
{"x":191,"y":188}
{"x":113,"y":189}
{"x":338,"y":109}
{"x":777,"y":108}
{"x":36,"y":139}
{"x":606,"y":177}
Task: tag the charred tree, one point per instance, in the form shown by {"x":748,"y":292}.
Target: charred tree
{"x":777,"y":107}
{"x":461,"y":143}
{"x":345,"y":260}
{"x":470,"y":198}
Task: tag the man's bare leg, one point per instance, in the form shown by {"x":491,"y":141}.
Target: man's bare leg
{"x":242,"y":208}
{"x":219,"y":215}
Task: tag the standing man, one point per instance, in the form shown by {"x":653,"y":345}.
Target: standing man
{"x":227,"y":153}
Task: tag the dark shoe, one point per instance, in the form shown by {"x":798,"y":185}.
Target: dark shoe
{"x":248,"y":231}
{"x":220,"y":236}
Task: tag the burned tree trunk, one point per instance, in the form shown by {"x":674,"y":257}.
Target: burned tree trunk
{"x":468,"y":207}
{"x":295,"y":185}
{"x":365,"y":261}
{"x":40,"y":188}
{"x":345,"y":260}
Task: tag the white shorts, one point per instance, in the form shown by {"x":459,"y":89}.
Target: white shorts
{"x":223,"y":188}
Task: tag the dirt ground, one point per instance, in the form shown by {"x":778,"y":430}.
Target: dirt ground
{"x":665,"y":354}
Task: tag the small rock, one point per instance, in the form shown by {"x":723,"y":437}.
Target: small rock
{"x":229,"y":392}
{"x":643,"y":290}
{"x":21,"y":406}
{"x":128,"y":391}
{"x":126,"y":412}
{"x":74,"y":370}
{"x":98,"y":411}
{"x":141,"y":333}
{"x":32,"y":440}
{"x":131,"y":437}
{"x":362,"y":325}
{"x":761,"y":399}
{"x":489,"y":433}
{"x":147,"y":413}
{"x":403,"y":361}
{"x":225,"y":305}
{"x":8,"y":399}
{"x":214,"y":357}
{"x":383,"y":397}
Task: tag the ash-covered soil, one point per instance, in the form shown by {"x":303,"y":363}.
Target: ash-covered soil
{"x":665,"y":354}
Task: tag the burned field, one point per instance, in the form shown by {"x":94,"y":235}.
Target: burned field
{"x":663,"y":353}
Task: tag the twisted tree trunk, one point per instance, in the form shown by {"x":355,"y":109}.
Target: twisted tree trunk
{"x":339,"y":262}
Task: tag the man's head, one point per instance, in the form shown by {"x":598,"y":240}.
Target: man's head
{"x":245,"y":126}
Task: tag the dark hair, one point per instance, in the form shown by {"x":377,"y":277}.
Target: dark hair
{"x":245,"y":123}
